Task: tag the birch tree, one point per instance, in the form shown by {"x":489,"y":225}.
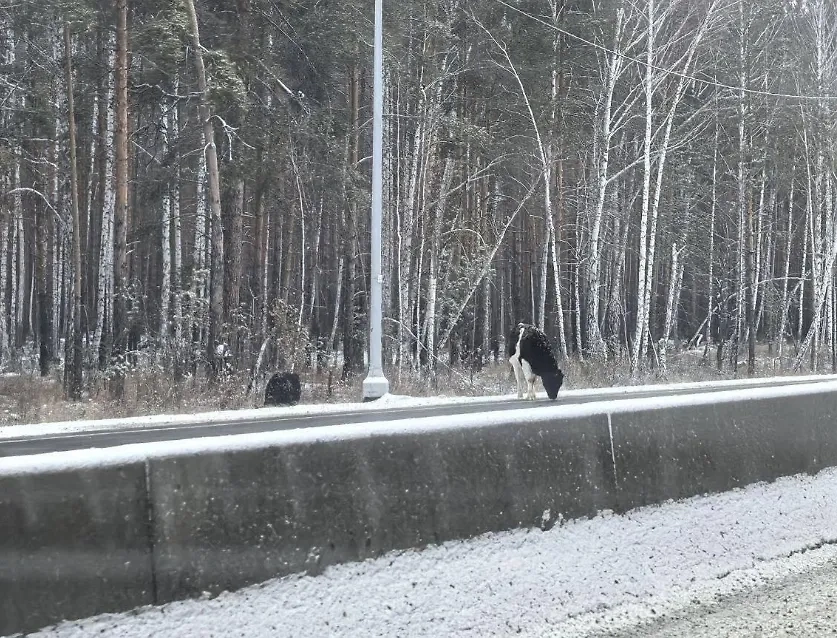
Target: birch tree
{"x":216,"y":286}
{"x":75,"y":377}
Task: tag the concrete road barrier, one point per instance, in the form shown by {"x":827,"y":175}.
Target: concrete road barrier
{"x":230,"y":519}
{"x":73,"y":544}
{"x":690,"y":449}
{"x":159,"y":523}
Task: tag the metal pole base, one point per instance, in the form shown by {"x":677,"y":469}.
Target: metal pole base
{"x":374,"y":387}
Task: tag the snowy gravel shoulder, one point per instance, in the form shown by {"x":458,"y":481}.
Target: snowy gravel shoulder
{"x":585,"y":577}
{"x":789,"y":596}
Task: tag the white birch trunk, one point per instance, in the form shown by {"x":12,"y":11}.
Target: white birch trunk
{"x":20,"y":302}
{"x":165,"y":247}
{"x":645,"y":254}
{"x":15,"y":315}
{"x":671,"y":303}
{"x":58,"y":232}
{"x":200,"y":248}
{"x":303,"y":250}
{"x":104,"y":284}
{"x":177,"y":230}
{"x":405,"y":234}
{"x":823,"y":242}
{"x":436,"y":245}
{"x":829,"y":323}
{"x":757,"y":276}
{"x":783,"y":319}
{"x":768,"y":252}
{"x":390,"y":204}
{"x":5,"y":218}
{"x":543,"y":272}
{"x":91,"y":168}
{"x":335,"y":319}
{"x":821,"y":287}
{"x":265,"y":270}
{"x":595,"y":344}
{"x":264,"y":266}
{"x":315,"y":263}
{"x":577,"y":291}
{"x":555,"y":87}
{"x":486,"y":318}
{"x":421,"y":337}
{"x":803,"y":277}
{"x":710,"y":287}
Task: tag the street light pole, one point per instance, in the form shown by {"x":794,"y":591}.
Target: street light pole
{"x":375,"y":385}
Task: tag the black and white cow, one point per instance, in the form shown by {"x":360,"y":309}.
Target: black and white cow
{"x":531,"y":356}
{"x":283,"y":389}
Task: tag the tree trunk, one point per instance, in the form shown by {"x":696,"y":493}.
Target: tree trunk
{"x":615,"y":304}
{"x":435,"y":248}
{"x":120,"y":254}
{"x":18,"y":267}
{"x":261,"y":246}
{"x":264,"y":269}
{"x":577,"y":289}
{"x":710,"y":287}
{"x":233,"y":217}
{"x":646,"y":263}
{"x":75,"y":378}
{"x":672,"y":303}
{"x":177,"y":237}
{"x":751,"y":292}
{"x":165,"y":249}
{"x":14,"y":261}
{"x":200,"y":249}
{"x":783,"y":319}
{"x":102,"y":336}
{"x":216,"y":294}
{"x":352,"y":339}
{"x":595,"y":344}
{"x":4,"y":255}
{"x":44,"y":331}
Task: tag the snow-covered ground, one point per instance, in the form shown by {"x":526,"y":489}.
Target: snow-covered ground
{"x":578,"y":579}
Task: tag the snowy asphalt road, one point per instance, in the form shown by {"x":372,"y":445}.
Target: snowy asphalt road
{"x":27,"y":444}
{"x":803,"y":604}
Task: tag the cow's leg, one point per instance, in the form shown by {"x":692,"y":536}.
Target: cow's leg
{"x":530,"y":380}
{"x":518,"y":374}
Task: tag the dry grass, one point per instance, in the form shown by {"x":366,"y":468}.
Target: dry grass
{"x":27,"y":398}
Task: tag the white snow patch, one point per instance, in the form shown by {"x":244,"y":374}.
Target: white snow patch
{"x":395,"y":398}
{"x":567,"y":581}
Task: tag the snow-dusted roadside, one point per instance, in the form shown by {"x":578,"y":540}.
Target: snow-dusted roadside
{"x":383,"y":404}
{"x":138,"y":452}
{"x":576,"y":579}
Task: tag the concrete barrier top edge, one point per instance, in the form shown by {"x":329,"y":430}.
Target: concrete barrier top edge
{"x":54,"y":462}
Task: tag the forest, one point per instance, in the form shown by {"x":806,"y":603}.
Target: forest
{"x":185,"y":186}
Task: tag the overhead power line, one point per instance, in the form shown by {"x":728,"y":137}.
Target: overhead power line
{"x":687,"y":76}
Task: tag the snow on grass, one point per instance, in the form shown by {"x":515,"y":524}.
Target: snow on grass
{"x":576,"y":579}
{"x":383,"y":404}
